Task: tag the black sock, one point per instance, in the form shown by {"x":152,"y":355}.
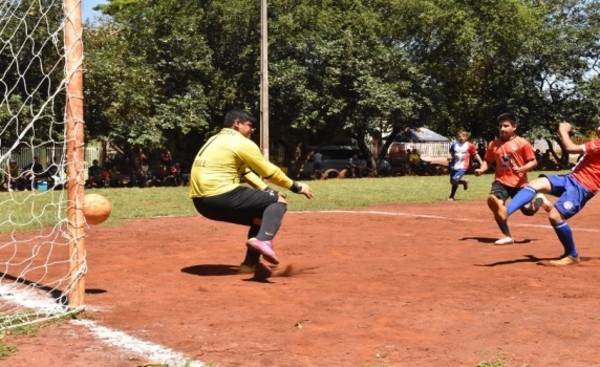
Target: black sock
{"x":252,"y":256}
{"x":453,"y":191}
{"x":504,"y":228}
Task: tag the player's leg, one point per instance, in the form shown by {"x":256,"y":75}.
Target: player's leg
{"x":271,"y":218}
{"x":526,"y":200}
{"x":246,"y":206}
{"x":453,"y":184}
{"x":565,"y":236}
{"x":252,"y":256}
{"x":495,"y":200}
{"x":571,"y":201}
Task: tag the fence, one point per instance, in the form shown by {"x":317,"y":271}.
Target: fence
{"x":429,"y":151}
{"x":47,"y":156}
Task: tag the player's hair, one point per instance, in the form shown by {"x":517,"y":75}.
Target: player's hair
{"x":237,"y":114}
{"x":508,"y":116}
{"x":462,"y":131}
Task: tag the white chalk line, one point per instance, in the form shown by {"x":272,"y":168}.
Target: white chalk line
{"x":153,"y":352}
{"x":427,"y":216}
{"x":39,"y":301}
{"x":163,"y":355}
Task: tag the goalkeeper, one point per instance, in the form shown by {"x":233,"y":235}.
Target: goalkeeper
{"x":225,"y":161}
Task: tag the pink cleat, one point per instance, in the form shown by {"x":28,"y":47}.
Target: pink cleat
{"x":265,"y":248}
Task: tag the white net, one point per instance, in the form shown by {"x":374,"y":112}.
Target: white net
{"x":36,"y":275}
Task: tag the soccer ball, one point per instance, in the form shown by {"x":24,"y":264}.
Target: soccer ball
{"x":96,"y":208}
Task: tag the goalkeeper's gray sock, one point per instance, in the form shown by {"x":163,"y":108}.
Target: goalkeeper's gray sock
{"x":271,"y":221}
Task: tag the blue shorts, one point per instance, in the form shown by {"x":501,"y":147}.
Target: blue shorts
{"x":456,"y":174}
{"x":572,"y":195}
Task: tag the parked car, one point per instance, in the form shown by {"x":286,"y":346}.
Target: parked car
{"x":335,"y":157}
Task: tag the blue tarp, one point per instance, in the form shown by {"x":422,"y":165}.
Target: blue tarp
{"x":421,"y":135}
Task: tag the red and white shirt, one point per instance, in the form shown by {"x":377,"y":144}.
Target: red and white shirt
{"x":587,"y":171}
{"x":461,"y":155}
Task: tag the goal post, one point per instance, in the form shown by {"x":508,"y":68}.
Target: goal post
{"x":42,"y":161}
{"x":75,"y":148}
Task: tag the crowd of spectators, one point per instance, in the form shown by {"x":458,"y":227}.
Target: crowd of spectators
{"x":113,"y":172}
{"x":142,"y":173}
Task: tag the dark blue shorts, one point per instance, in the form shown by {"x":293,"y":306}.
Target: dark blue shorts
{"x":572,"y":196}
{"x":456,"y":174}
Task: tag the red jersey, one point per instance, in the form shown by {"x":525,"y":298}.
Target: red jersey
{"x":587,"y":171}
{"x":508,"y":154}
{"x":461,"y":155}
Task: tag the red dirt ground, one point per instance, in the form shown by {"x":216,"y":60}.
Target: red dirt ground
{"x":387,"y":286}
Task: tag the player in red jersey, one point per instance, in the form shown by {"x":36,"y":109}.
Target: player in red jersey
{"x":514,"y":157}
{"x":573,"y":190}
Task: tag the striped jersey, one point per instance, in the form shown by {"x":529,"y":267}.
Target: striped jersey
{"x":461,"y":155}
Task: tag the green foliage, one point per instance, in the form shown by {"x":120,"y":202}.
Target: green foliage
{"x":31,"y":57}
{"x":6,"y":350}
{"x":163,"y":72}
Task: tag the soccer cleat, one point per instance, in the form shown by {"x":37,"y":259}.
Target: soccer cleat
{"x":505,"y":241}
{"x":246,"y":268}
{"x":465,"y":184}
{"x":498,"y":208}
{"x":546,"y":204}
{"x":265,"y":248}
{"x":565,"y":261}
{"x":262,"y":272}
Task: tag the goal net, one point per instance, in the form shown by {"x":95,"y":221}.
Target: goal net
{"x":42,"y":261}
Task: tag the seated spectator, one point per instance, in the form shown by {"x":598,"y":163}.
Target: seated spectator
{"x":414,"y":162}
{"x":146,"y":177}
{"x":384,"y":168}
{"x":12,"y":179}
{"x":173,"y":176}
{"x":31,"y":173}
{"x":95,"y":175}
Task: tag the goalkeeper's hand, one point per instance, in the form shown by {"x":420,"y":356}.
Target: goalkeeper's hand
{"x":302,"y":188}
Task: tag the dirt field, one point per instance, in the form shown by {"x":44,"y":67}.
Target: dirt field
{"x":386,"y":286}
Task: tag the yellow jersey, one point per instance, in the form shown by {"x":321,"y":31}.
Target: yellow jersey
{"x":227,"y":159}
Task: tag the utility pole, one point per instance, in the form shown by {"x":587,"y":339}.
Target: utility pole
{"x":264,"y":81}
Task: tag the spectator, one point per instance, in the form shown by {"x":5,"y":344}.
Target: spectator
{"x":173,"y":176}
{"x":166,"y":159}
{"x":142,"y":175}
{"x":31,"y":173}
{"x":12,"y":181}
{"x":317,"y":160}
{"x":385,"y":168}
{"x":95,"y":175}
{"x":414,"y":162}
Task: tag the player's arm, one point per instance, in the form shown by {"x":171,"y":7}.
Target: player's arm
{"x":479,"y":160}
{"x":529,"y":157}
{"x":531,"y":164}
{"x":564,"y":128}
{"x":270,"y":172}
{"x":253,"y":179}
{"x":484,"y":165}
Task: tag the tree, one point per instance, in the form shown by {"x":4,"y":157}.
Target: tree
{"x":147,"y":72}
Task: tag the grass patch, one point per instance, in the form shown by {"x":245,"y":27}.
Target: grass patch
{"x":28,"y":212}
{"x":500,"y":359}
{"x":6,"y":350}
